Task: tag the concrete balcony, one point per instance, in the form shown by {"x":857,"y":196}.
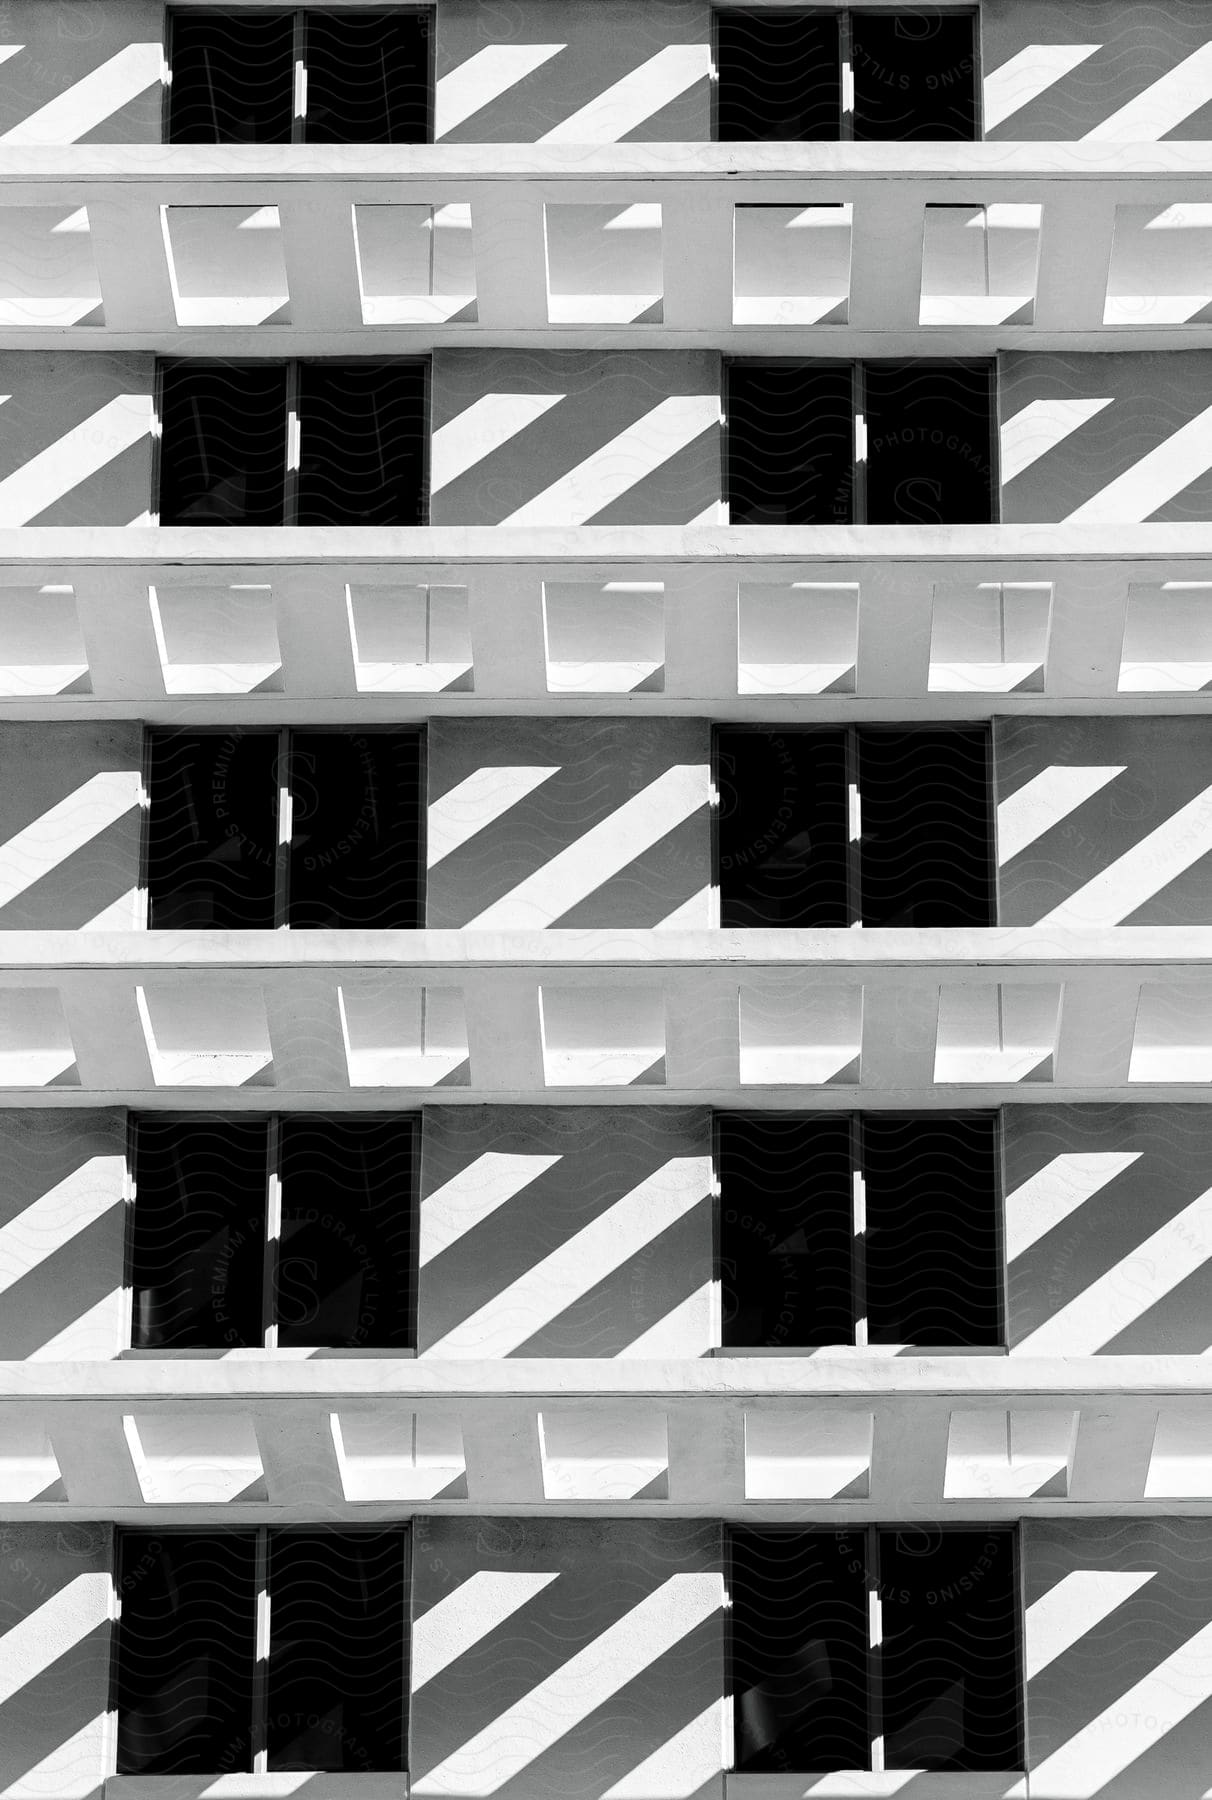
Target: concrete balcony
{"x":828,"y":1018}
{"x":608,"y":245}
{"x":835,"y":1438}
{"x":763,"y":622}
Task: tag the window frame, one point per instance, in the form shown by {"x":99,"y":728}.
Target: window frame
{"x":989,"y":365}
{"x":859,"y":1287}
{"x":270,"y":1248}
{"x":153,"y":733}
{"x":422,"y":360}
{"x":867,"y":1534}
{"x":844,"y":15}
{"x":259,"y":1720}
{"x":299,"y":14}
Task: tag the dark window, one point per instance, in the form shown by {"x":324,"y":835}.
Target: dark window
{"x":225,"y":443}
{"x":367,"y":77}
{"x":780,"y":75}
{"x":913,"y":74}
{"x":799,"y":1651}
{"x":929,"y":443}
{"x":336,"y":1654}
{"x":212,"y":830}
{"x":355,"y":854}
{"x":792,"y":453}
{"x":910,"y":1634}
{"x":825,"y":827}
{"x":198,"y":1231}
{"x":362,"y":443}
{"x":233,"y":77}
{"x":186,"y":1642}
{"x":880,"y":1228}
{"x":345,"y":1267}
{"x":339,"y":1273}
{"x":222,"y":443}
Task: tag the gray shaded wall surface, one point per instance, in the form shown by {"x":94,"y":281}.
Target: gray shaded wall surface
{"x":1137,"y":851}
{"x":70,"y":793}
{"x":1108,"y":1230}
{"x":566,"y":854}
{"x":1104,"y":467}
{"x":630,"y":437}
{"x":78,"y":428}
{"x":84,"y":71}
{"x":575,"y":1230}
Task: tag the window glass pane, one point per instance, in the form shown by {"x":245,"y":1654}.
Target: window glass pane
{"x":914,"y":74}
{"x":929,"y":443}
{"x":950,"y":1677}
{"x":223,"y":443}
{"x":345,"y":1271}
{"x":779,"y":75}
{"x":212,"y":831}
{"x":198,"y":1233}
{"x":362,"y":443}
{"x":782,"y":830}
{"x":790,"y":444}
{"x":926,"y":826}
{"x":355,"y":850}
{"x":185,"y":1646}
{"x":367,"y":77}
{"x":336,"y":1657}
{"x":799,"y":1650}
{"x":933,"y":1264}
{"x":232,"y":78}
{"x":786,"y":1229}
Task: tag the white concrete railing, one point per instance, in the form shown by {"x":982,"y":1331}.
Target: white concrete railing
{"x":153,"y":299}
{"x":837,"y":1018}
{"x":839,"y":1438}
{"x":760,"y":622}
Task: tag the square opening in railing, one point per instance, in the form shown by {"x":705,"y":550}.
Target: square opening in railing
{"x":791,"y":264}
{"x":36,"y":1049}
{"x":796,"y":637}
{"x":603,"y":1036}
{"x":604,"y":263}
{"x":416,"y":264}
{"x":813,"y":1453}
{"x":203,"y":1033}
{"x":1001,"y":1032}
{"x":190,"y":1458}
{"x":604,"y":1451}
{"x":1173,"y":1036}
{"x":48,"y":275}
{"x":41,"y":645}
{"x":397,"y":1035}
{"x":409,"y":640}
{"x":226,"y":265}
{"x":604,"y":637}
{"x":802,"y":1032}
{"x":1167,"y":638}
{"x":1180,"y":1462}
{"x":989,"y":637}
{"x":1025,"y":1453}
{"x":390,"y":1455}
{"x":29,"y":1469}
{"x":1161,"y":265}
{"x":216,"y":639}
{"x":979,"y":264}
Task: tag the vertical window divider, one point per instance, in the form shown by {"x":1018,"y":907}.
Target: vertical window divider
{"x":854,"y":845}
{"x":859,"y":1227}
{"x":859,"y":405}
{"x":259,"y":1730}
{"x":294,"y":445}
{"x":846,"y":71}
{"x":273,"y":1232}
{"x":875,"y":1638}
{"x":286,"y":829}
{"x":298,"y":119}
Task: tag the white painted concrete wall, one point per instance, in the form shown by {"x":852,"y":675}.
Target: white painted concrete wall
{"x":70,"y":826}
